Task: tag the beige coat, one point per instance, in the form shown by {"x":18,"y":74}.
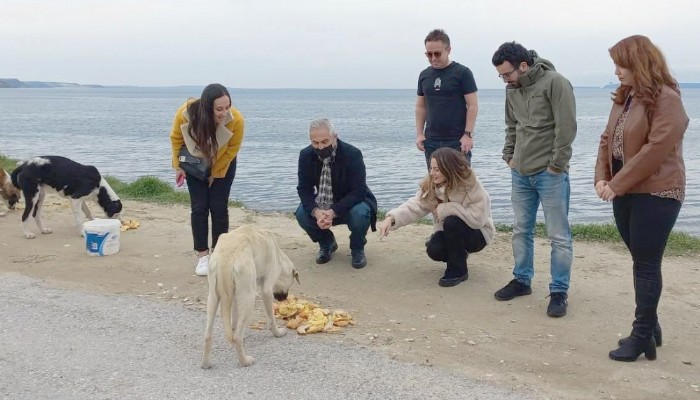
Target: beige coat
{"x":471,"y":204}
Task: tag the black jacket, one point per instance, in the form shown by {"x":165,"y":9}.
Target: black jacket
{"x":348,"y":178}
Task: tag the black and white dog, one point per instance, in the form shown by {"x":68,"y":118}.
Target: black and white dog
{"x":69,"y":179}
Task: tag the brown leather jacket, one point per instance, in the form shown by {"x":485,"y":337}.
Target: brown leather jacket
{"x":652,"y":147}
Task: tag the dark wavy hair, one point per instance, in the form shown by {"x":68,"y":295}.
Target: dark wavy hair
{"x":638,"y":54}
{"x":454,"y":167}
{"x":514,"y":53}
{"x":202,"y":127}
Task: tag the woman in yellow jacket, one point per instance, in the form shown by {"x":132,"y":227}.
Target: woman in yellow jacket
{"x":212,"y":130}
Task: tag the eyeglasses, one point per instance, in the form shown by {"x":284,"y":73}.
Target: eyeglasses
{"x":431,"y":54}
{"x":507,"y":74}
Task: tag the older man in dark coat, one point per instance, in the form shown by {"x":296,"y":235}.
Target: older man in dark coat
{"x":333,"y":191}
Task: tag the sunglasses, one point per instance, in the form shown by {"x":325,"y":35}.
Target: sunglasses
{"x":431,"y":54}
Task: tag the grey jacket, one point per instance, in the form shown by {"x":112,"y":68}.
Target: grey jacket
{"x":540,"y":120}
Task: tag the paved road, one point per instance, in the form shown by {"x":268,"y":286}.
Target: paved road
{"x":62,"y":344}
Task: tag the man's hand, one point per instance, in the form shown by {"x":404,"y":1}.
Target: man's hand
{"x":419,"y":142}
{"x":466,"y":143}
{"x":511,"y":164}
{"x":324,"y":218}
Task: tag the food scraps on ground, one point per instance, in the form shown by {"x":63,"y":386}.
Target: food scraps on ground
{"x":306,"y":317}
{"x":129,"y":224}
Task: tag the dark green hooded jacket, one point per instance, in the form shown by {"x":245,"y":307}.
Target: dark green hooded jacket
{"x":540,"y":120}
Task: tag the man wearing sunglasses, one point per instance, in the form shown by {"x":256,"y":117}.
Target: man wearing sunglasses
{"x":447,"y":104}
{"x":540,"y":130}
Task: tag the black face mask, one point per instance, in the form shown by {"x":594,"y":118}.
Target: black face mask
{"x":324,"y":152}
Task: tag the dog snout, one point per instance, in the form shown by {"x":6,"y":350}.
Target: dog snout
{"x":12,"y":201}
{"x":280,"y":296}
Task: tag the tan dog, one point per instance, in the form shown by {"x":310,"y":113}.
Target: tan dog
{"x":9,"y":193}
{"x":243,"y":259}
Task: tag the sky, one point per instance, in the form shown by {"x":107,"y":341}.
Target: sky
{"x":325,"y":44}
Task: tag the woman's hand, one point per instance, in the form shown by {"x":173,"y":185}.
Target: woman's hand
{"x":179,"y":177}
{"x":599,"y":186}
{"x":385,"y":226}
{"x":604,"y":191}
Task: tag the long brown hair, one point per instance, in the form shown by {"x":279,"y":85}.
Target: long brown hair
{"x":454,"y":167}
{"x":638,"y":54}
{"x":202,"y":127}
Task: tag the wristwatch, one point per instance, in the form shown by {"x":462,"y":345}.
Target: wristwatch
{"x":468,"y":133}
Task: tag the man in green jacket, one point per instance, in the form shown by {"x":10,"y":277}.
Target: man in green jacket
{"x":540,"y":129}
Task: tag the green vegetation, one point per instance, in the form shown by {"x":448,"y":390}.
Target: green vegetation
{"x":154,"y":190}
{"x":7,"y":164}
{"x":679,"y":243}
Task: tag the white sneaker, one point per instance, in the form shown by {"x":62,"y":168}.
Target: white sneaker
{"x":202,"y":266}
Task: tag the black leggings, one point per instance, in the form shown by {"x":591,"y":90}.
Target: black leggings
{"x":453,"y":244}
{"x":645,"y":222}
{"x":205,"y":199}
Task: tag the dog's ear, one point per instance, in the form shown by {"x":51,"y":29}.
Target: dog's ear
{"x":295,"y":274}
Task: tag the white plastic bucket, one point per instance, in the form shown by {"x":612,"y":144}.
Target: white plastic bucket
{"x":102,"y":236}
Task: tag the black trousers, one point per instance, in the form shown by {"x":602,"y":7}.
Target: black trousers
{"x":453,"y":244}
{"x":645,"y":222}
{"x":205,"y":199}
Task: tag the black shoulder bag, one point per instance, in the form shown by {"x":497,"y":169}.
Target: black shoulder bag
{"x":194,"y":166}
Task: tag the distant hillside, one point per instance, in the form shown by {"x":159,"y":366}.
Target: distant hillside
{"x":683,"y":85}
{"x":11,"y":83}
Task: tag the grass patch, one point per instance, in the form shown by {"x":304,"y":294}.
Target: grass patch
{"x":8,"y":164}
{"x":679,"y":243}
{"x":154,"y":190}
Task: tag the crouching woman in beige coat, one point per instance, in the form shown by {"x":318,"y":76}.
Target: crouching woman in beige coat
{"x":461,"y":210}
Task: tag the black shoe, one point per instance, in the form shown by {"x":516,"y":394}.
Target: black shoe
{"x":447,"y":282}
{"x":511,"y":290}
{"x":656,"y":334}
{"x":557,"y":304}
{"x":633,"y":348}
{"x":326,"y":253}
{"x":358,"y":259}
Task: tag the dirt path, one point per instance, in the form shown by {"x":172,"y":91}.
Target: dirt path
{"x":400,"y":309}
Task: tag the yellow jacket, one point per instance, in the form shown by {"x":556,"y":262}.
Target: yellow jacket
{"x":229,"y":137}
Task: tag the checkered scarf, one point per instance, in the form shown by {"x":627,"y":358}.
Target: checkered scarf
{"x":324,"y":198}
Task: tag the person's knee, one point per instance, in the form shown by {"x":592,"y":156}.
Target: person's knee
{"x":199,"y":209}
{"x":436,"y":252}
{"x":303,"y":218}
{"x":359,"y":217}
{"x":452,"y":224}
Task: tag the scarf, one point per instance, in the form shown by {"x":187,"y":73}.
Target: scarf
{"x":324,"y":198}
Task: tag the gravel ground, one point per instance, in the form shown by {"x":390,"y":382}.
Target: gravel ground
{"x":62,"y":344}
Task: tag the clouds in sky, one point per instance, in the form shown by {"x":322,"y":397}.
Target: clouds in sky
{"x":324,"y":44}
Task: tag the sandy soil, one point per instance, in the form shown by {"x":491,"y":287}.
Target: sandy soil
{"x":399,"y":308}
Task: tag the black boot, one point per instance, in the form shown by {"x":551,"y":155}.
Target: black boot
{"x":647,"y":290}
{"x":455,"y":247}
{"x":656,"y":333}
{"x":633,"y":348}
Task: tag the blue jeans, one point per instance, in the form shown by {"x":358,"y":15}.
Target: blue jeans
{"x":357,"y":219}
{"x":430,"y":145}
{"x":553,"y":191}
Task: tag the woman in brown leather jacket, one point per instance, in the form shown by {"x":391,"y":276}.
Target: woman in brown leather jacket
{"x":640,"y":169}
